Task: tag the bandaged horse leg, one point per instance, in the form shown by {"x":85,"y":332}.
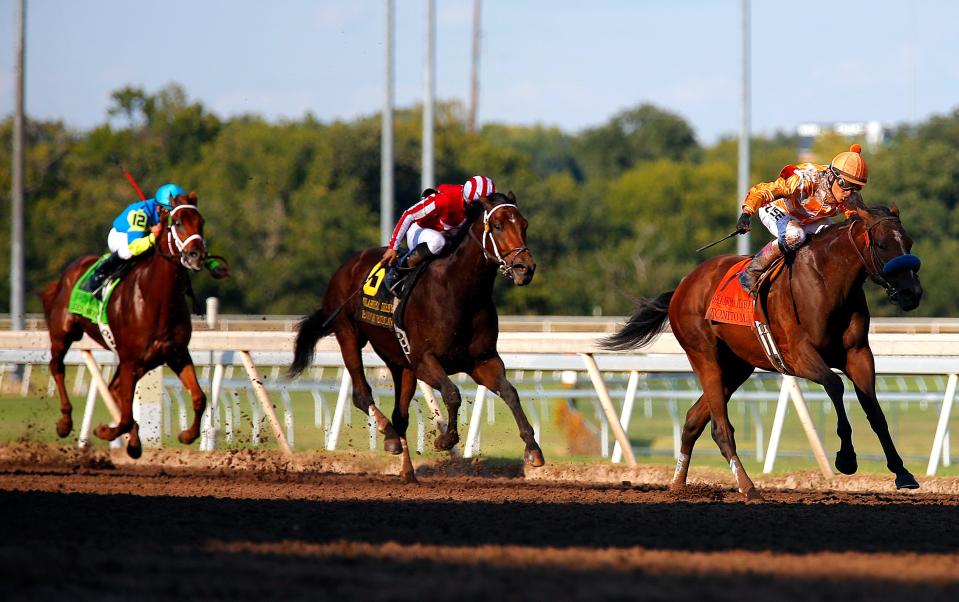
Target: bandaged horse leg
{"x":404,"y":383}
{"x":491,"y":374}
{"x":350,"y":346}
{"x":696,"y":420}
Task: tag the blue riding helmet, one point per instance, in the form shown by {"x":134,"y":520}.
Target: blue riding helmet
{"x":166,"y":193}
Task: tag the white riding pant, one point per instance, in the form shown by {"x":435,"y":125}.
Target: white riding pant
{"x":434,"y":240}
{"x":117,"y":242}
{"x":786,"y":228}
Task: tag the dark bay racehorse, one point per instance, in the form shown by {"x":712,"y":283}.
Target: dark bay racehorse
{"x":450,"y":321}
{"x":818,"y":315}
{"x":148,"y":315}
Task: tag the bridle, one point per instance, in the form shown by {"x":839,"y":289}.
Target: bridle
{"x":879,"y":269}
{"x":175,"y":240}
{"x":506,"y":261}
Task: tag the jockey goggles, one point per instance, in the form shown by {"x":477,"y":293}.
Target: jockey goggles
{"x":844,"y":183}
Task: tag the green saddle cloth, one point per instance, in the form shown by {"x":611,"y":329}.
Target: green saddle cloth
{"x":84,"y":303}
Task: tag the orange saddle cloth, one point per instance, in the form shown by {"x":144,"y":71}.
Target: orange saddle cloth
{"x":730,"y":303}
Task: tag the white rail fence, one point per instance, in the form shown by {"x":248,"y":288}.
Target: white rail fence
{"x":897,"y":353}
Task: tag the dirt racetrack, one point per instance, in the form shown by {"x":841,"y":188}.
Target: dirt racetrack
{"x":248,"y":526}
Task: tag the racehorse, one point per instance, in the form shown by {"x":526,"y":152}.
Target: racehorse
{"x":817,"y":313}
{"x":149,"y":318}
{"x":450,"y":322}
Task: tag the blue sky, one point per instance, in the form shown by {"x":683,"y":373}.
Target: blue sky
{"x":567,"y":63}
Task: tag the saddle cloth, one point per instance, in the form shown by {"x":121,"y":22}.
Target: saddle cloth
{"x":730,"y":303}
{"x":84,"y":303}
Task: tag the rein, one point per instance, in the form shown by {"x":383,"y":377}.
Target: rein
{"x":506,"y":265}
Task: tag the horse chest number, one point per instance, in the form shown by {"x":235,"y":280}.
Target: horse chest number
{"x":374,"y":280}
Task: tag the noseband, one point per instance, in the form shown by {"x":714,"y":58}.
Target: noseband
{"x":506,"y":261}
{"x":174,"y":240}
{"x":879,"y":269}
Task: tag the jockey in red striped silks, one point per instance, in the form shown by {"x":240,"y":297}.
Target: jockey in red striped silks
{"x":431,"y":223}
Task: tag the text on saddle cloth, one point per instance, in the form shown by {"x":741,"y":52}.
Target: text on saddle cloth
{"x":730,"y":303}
{"x":376,"y":301}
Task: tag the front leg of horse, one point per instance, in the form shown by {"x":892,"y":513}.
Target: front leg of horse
{"x":430,"y":371}
{"x":182,"y":365}
{"x":846,"y":456}
{"x":492,"y":375}
{"x":860,"y":368}
{"x":121,"y":387}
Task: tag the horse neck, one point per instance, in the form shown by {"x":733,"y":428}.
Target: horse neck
{"x":468,"y":258}
{"x":160,"y":273}
{"x":838,"y":264}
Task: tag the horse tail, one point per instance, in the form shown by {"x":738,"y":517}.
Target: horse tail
{"x":646,"y":323}
{"x":310,"y":329}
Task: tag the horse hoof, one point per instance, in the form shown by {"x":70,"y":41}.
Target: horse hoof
{"x":446,"y":441}
{"x":393,"y":446}
{"x":534,"y":457}
{"x":134,"y":451}
{"x":753,"y":496}
{"x":677,"y":487}
{"x":104,"y":432}
{"x":64,"y":426}
{"x":906,"y":481}
{"x":187,"y":437}
{"x":846,"y":463}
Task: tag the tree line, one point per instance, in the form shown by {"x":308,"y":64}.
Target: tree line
{"x":616,"y":211}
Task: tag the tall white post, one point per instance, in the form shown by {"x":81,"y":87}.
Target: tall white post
{"x":742,"y":242}
{"x":17,"y":276}
{"x":427,"y":179}
{"x":386,"y":144}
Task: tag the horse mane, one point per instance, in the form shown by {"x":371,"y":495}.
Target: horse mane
{"x":840,"y":228}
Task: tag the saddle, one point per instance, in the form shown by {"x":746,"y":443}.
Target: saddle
{"x":731,"y":304}
{"x":85,"y":303}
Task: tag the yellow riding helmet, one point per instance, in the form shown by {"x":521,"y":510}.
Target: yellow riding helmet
{"x":851,"y":166}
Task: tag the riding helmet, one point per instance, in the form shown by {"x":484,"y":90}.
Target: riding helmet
{"x":851,"y":166}
{"x":478,"y":186}
{"x":166,"y":193}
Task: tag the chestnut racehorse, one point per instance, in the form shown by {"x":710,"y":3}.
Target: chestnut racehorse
{"x":450,"y":321}
{"x":819,"y":318}
{"x":149,"y":318}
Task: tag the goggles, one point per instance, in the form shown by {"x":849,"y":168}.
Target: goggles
{"x":846,"y":184}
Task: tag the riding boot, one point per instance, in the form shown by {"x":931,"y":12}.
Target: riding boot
{"x":749,"y":278}
{"x":106,"y":268}
{"x":404,"y":266}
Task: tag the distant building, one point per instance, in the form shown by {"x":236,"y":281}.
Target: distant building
{"x":870,"y":133}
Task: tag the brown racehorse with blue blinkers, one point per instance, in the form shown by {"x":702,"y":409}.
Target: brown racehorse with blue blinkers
{"x":818,"y":315}
{"x":450,"y":321}
{"x":149,"y":318}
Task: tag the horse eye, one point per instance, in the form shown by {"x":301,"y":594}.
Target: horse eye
{"x":498,"y":226}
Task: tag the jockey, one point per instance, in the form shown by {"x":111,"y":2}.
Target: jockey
{"x":431,"y":222}
{"x":800,"y":202}
{"x":134,"y":231}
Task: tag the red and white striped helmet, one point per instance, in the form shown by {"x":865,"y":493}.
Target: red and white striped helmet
{"x":476,"y":187}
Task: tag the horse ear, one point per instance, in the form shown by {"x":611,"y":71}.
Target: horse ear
{"x":192,"y":197}
{"x":485,"y":202}
{"x":511,"y":197}
{"x":894,"y":209}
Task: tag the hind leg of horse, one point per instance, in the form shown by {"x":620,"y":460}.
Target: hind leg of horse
{"x":430,"y":371}
{"x":860,"y":367}
{"x":60,"y":345}
{"x":404,"y":382}
{"x":491,"y":374}
{"x":696,"y":419}
{"x":121,"y":387}
{"x":350,"y":347}
{"x":182,"y":366}
{"x":720,"y":377}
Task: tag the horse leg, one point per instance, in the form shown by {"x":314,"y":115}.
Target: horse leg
{"x":860,"y":367}
{"x":404,"y":383}
{"x":491,"y":373}
{"x":61,"y":342}
{"x":182,"y":366}
{"x":430,"y":371}
{"x":720,"y":375}
{"x":350,"y":347}
{"x":696,"y":419}
{"x":121,"y":386}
